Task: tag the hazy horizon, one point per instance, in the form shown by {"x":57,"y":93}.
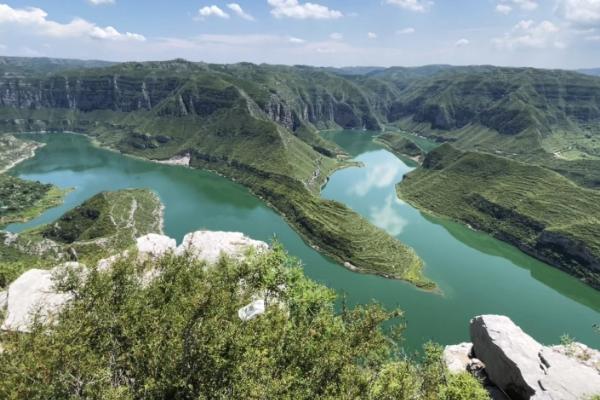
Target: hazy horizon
{"x":561,"y":34}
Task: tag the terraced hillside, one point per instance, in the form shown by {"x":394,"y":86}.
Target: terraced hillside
{"x":107,"y":223}
{"x":536,"y":209}
{"x":239,"y":120}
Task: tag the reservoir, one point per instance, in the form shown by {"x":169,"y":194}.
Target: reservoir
{"x":476,"y":273}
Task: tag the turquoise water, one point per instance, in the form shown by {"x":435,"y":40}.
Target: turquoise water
{"x":476,"y":273}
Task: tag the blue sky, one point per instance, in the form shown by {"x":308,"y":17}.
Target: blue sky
{"x":540,"y":33}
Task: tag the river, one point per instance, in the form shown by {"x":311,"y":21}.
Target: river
{"x":476,"y":273}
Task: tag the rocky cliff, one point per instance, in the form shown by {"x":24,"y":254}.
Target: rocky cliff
{"x":516,"y":367}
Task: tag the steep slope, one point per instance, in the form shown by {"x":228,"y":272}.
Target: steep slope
{"x":538,"y":210}
{"x":255,"y":124}
{"x":105,"y":224}
{"x":547,"y":117}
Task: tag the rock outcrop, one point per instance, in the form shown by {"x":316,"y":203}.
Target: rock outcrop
{"x":154,"y":245}
{"x":34,"y":294}
{"x":522,"y":368}
{"x":209,"y":246}
{"x":458,"y":356}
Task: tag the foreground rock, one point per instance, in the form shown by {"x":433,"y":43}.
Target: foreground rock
{"x":154,"y":246}
{"x":209,"y":246}
{"x":457,"y":357}
{"x":522,"y":368}
{"x":34,"y":293}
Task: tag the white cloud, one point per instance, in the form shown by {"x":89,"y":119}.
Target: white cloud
{"x":297,"y":10}
{"x":239,"y":11}
{"x":503,"y":9}
{"x":296,"y":40}
{"x":388,"y":217}
{"x":406,"y":31}
{"x":528,"y":34}
{"x":211,"y":11}
{"x":581,"y":12}
{"x":372,"y":35}
{"x":336,"y":36}
{"x":379,"y":176}
{"x":412,"y":5}
{"x":506,"y":6}
{"x":36,"y":21}
{"x":462,"y":42}
{"x":3,"y":47}
{"x":101,"y":2}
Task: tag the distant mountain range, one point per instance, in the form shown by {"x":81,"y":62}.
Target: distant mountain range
{"x":590,"y":71}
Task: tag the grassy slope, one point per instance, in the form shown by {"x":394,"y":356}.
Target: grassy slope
{"x":534,"y":208}
{"x":544,"y":117}
{"x":221,"y":115}
{"x":401,"y":145}
{"x":105,"y":224}
{"x":22,"y":200}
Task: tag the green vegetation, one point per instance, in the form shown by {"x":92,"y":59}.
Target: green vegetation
{"x":239,"y":120}
{"x":401,"y":145}
{"x":22,"y":200}
{"x":538,"y":210}
{"x":105,"y":224}
{"x":179,"y":336}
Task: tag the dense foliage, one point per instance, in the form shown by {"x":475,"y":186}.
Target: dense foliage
{"x":534,"y":208}
{"x":178,"y":335}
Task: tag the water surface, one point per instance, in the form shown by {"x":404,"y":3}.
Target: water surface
{"x":476,"y":273}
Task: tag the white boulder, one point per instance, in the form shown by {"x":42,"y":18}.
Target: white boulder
{"x":33,"y":292}
{"x":523,"y":368}
{"x":457,"y":357}
{"x":3,"y":299}
{"x":208,"y":246}
{"x":154,"y":246}
{"x":252,"y":310}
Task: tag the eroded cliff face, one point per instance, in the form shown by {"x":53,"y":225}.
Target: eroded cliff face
{"x":177,"y":96}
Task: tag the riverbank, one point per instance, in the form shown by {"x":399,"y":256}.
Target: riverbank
{"x":537,"y":210}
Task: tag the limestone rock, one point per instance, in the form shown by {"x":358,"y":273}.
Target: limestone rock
{"x":3,"y":299}
{"x":154,"y":245}
{"x":208,"y":246}
{"x":252,"y":310}
{"x":32,"y":292}
{"x":457,"y":357}
{"x":581,"y":353}
{"x":523,"y":368}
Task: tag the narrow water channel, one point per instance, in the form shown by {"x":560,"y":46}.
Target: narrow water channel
{"x":476,"y":273}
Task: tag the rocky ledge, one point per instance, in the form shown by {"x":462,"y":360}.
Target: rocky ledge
{"x":35,"y":295}
{"x":515,"y":366}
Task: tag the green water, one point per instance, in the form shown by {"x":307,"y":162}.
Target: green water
{"x":476,"y":273}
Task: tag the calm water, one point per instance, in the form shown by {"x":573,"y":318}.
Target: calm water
{"x":476,"y":273}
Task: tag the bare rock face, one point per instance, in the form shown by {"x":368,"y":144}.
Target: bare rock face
{"x":154,"y":246}
{"x":252,"y":310}
{"x":208,"y":246}
{"x":3,"y":300}
{"x":457,"y":357}
{"x":33,"y":292}
{"x":523,"y":368}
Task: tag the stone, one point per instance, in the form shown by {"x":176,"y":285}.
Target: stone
{"x":457,"y":357}
{"x":524,"y":369}
{"x":32,"y":292}
{"x":154,"y":246}
{"x":252,"y":310}
{"x":581,"y":352}
{"x":209,"y":246}
{"x":3,"y":299}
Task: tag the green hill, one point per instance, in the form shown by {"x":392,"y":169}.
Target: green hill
{"x":255,"y":124}
{"x":105,"y":224}
{"x":533,"y":208}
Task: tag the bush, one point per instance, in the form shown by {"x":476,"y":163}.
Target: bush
{"x":177,"y":335}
